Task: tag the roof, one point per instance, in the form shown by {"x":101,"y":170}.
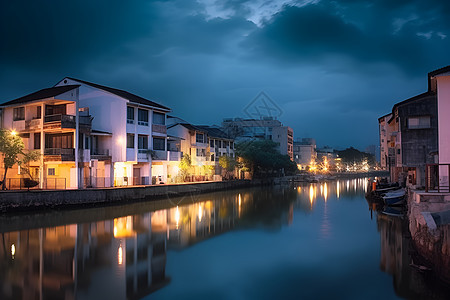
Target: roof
{"x":439,"y":71}
{"x":124,"y":94}
{"x":188,"y":126}
{"x":100,"y":132}
{"x":214,"y":132}
{"x":42,"y":94}
{"x":407,"y":101}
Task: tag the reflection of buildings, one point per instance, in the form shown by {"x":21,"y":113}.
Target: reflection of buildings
{"x":120,"y":258}
{"x":397,"y":261}
{"x":125,"y":257}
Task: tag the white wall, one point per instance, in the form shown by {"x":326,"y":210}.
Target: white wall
{"x":443,"y":118}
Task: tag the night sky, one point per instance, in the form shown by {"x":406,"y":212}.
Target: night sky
{"x":331,"y":67}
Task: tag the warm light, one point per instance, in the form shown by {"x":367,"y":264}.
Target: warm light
{"x":325,"y":191}
{"x":200,"y":213}
{"x":13,"y":132}
{"x":239,"y":197}
{"x":337,"y":189}
{"x":123,"y":227}
{"x":311,"y":194}
{"x":177,"y":216}
{"x":120,"y":255}
{"x":13,"y":250}
{"x":176,"y":169}
{"x":119,"y":140}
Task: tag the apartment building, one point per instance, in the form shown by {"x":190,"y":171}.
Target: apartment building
{"x":204,"y":144}
{"x":91,"y":135}
{"x":304,"y":152}
{"x":409,"y":138}
{"x":267,"y":128}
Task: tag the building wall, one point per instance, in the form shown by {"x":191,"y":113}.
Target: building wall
{"x":443,"y":118}
{"x":418,"y":145}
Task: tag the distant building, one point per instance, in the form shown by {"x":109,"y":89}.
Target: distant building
{"x":204,"y":144}
{"x":266,"y":128}
{"x":408,"y":138}
{"x":304,"y":152}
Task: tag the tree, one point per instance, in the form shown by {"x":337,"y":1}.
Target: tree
{"x":11,"y":149}
{"x":263,"y":159}
{"x":228,"y":164}
{"x":185,"y":166}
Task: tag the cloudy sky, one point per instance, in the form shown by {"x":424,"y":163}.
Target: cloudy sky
{"x":331,"y":67}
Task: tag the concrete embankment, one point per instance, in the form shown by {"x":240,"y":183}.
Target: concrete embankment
{"x":429,"y":225}
{"x":11,"y":201}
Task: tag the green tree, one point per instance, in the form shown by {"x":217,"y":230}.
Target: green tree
{"x":185,"y":166}
{"x":263,"y":159}
{"x":228,"y":164}
{"x":11,"y":149}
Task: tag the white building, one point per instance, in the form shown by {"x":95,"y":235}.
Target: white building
{"x":92,"y":135}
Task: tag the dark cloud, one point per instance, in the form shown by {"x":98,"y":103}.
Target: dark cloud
{"x":316,"y":31}
{"x":341,"y":61}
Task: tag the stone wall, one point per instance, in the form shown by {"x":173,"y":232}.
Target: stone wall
{"x":38,"y":199}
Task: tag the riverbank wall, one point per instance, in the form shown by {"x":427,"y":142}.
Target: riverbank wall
{"x":429,"y":215}
{"x":14,"y":201}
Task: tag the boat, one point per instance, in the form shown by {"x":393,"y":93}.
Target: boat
{"x":394,"y":197}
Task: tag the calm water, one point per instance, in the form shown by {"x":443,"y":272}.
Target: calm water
{"x":310,"y":241}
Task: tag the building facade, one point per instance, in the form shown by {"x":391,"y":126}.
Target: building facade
{"x":91,"y":135}
{"x":305,"y":153}
{"x":266,"y":128}
{"x":409,"y":138}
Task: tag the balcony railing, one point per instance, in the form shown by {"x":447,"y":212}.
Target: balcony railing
{"x":64,"y":154}
{"x":159,"y":128}
{"x":437,"y":178}
{"x":67,"y":121}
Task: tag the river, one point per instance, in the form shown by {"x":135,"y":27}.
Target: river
{"x":308,"y":241}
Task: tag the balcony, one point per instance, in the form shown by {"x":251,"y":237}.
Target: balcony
{"x":174,"y":155}
{"x":59,"y":154}
{"x":100,"y":154}
{"x":159,"y":128}
{"x":60,"y":121}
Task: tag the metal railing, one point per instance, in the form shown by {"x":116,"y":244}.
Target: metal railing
{"x":59,"y":151}
{"x":49,"y":184}
{"x":437,"y":177}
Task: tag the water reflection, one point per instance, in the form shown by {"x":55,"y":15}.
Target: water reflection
{"x":399,"y":259}
{"x":124,"y":257}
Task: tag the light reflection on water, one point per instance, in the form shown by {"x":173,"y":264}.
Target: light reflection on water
{"x":268,"y":242}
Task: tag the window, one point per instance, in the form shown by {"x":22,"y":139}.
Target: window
{"x":143,"y":117}
{"x":159,"y":144}
{"x":211,"y":143}
{"x":231,"y":145}
{"x":19,"y":113}
{"x":64,"y":141}
{"x":220,"y":144}
{"x":55,"y":109}
{"x":199,"y":137}
{"x":201,"y":152}
{"x":38,"y":112}
{"x":37,"y":140}
{"x":130,"y":115}
{"x":142,"y":142}
{"x":159,"y":118}
{"x":130,"y":140}
{"x":419,"y":122}
{"x":51,"y":172}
